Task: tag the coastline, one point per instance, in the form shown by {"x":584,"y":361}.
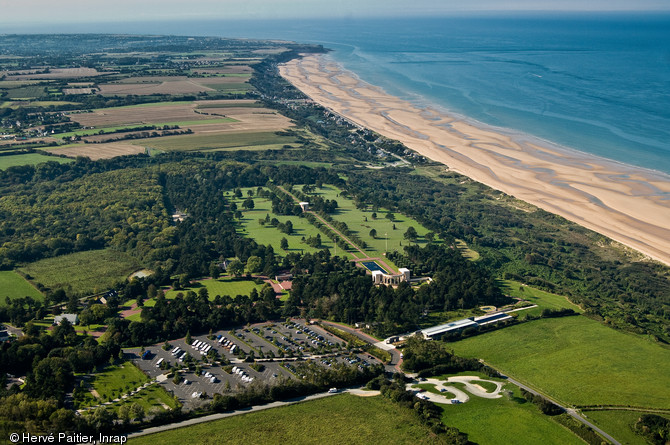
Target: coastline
{"x":631,"y":205}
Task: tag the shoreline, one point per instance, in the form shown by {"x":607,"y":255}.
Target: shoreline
{"x":628,"y":204}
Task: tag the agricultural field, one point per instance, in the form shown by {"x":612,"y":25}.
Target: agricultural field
{"x":243,"y":140}
{"x":506,"y":421}
{"x":82,"y":272}
{"x":14,"y":285}
{"x":577,"y":361}
{"x":222,"y":286}
{"x":28,"y":159}
{"x":342,"y":418}
{"x":98,"y":151}
{"x":173,"y":85}
{"x":361,"y":223}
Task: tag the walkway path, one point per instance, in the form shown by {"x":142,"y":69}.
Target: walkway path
{"x":358,"y":257}
{"x":460,"y":396}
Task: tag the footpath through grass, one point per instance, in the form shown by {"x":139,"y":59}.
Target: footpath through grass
{"x":577,"y":361}
{"x":14,"y":285}
{"x":342,"y":419}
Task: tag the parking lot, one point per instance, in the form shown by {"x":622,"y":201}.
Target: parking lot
{"x":217,"y":365}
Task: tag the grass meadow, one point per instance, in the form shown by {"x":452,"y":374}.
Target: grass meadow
{"x":544,"y":300}
{"x":14,"y":285}
{"x":28,"y":159}
{"x":344,"y":419}
{"x":618,"y":424}
{"x":577,"y":361}
{"x":82,"y":272}
{"x":506,"y":421}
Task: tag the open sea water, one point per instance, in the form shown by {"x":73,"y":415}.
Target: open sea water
{"x":597,"y":82}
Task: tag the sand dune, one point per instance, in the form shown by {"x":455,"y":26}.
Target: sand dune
{"x":628,"y":204}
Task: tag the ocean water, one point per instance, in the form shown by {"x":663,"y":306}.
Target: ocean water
{"x":597,"y":83}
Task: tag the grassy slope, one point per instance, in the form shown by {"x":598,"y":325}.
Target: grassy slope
{"x":75,"y":272}
{"x":338,"y":419}
{"x":13,"y":285}
{"x":577,"y":361}
{"x":28,"y":159}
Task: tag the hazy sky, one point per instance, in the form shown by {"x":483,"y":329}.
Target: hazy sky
{"x":71,"y":11}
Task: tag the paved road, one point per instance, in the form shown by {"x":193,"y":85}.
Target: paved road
{"x":392,"y":366}
{"x":570,"y":411}
{"x":212,"y":417}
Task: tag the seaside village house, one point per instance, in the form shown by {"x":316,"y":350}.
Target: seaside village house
{"x":379,"y":277}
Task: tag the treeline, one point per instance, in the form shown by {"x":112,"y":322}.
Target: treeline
{"x":655,"y":429}
{"x":427,"y":412}
{"x":429,"y":358}
{"x":534,"y":247}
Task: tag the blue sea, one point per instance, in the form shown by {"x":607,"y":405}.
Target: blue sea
{"x":594,"y":82}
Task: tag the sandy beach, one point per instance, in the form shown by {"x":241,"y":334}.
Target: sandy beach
{"x":628,"y":204}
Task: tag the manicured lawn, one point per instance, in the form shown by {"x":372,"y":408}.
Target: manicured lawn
{"x":115,"y":381}
{"x":221,"y":286}
{"x":341,"y":419}
{"x":266,"y":234}
{"x":504,"y":421}
{"x":29,"y":159}
{"x":83,"y":272}
{"x":577,"y":361}
{"x":355,"y":220}
{"x":14,"y":285}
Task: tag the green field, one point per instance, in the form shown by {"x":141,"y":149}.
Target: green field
{"x":29,"y":159}
{"x":83,"y":272}
{"x":113,"y":382}
{"x":577,"y":361}
{"x":222,"y":286}
{"x":230,"y":87}
{"x":14,"y":286}
{"x":266,"y":234}
{"x":544,"y":300}
{"x":259,"y":140}
{"x":618,"y":424}
{"x":355,"y":219}
{"x":111,"y":130}
{"x":506,"y":421}
{"x":343,"y":419}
